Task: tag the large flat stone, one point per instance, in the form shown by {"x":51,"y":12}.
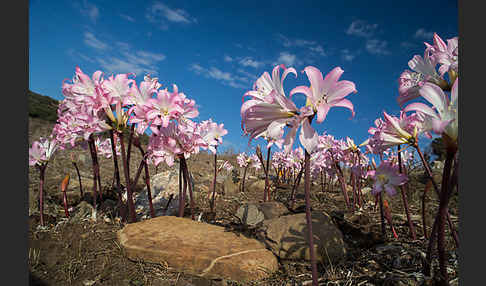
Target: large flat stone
{"x":197,"y":248}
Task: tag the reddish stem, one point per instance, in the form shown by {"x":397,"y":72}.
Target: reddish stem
{"x":243,"y":180}
{"x":115,"y":164}
{"x":424,"y":196}
{"x":131,"y":205}
{"x":296,"y":185}
{"x":129,"y":148}
{"x":79,"y":178}
{"x":182,"y":201}
{"x":92,"y":149}
{"x":266,"y":192}
{"x":211,"y":204}
{"x":404,"y":197}
{"x":42,"y":170}
{"x":147,"y":176}
{"x":436,"y":188}
{"x":308,"y":217}
{"x":187,"y":182}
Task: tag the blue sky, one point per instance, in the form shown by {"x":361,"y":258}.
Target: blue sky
{"x":215,"y":52}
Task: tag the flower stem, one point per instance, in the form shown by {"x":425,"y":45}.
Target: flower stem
{"x":309,"y":218}
{"x":243,"y":180}
{"x":129,"y":149}
{"x":296,"y":185}
{"x":404,"y":197}
{"x":436,"y":188}
{"x":211,"y":204}
{"x":340,"y":176}
{"x":182,"y":201}
{"x":131,"y":205}
{"x":92,"y":149}
{"x":382,"y":216}
{"x":188,"y":182}
{"x":424,"y":196}
{"x":266,"y":192}
{"x":136,"y":142}
{"x":443,"y":202}
{"x":42,"y":170}
{"x":79,"y":178}
{"x":115,"y":164}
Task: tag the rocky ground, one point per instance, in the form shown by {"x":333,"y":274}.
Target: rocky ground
{"x":84,"y":251}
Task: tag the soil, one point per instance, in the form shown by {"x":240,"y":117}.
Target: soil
{"x":86,"y":252}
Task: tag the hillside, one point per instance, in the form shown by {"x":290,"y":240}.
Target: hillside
{"x":41,"y":106}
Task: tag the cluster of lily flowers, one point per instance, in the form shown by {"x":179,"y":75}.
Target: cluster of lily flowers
{"x":94,"y":105}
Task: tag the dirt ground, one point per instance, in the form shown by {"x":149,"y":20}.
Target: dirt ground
{"x":68,"y":252}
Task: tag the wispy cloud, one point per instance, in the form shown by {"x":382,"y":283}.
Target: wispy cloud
{"x":124,"y":59}
{"x":361,"y":28}
{"x":91,"y":40}
{"x":88,"y":9}
{"x":228,"y":58}
{"x":225,"y":78}
{"x":377,"y":47}
{"x":408,"y":45}
{"x":75,"y":55}
{"x":249,"y":62}
{"x":159,"y":13}
{"x":423,"y":34}
{"x":312,"y":46}
{"x":373,"y":44}
{"x":140,"y":62}
{"x":347,"y":55}
{"x":288,"y":59}
{"x":128,"y":18}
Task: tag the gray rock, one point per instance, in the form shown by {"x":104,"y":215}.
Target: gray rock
{"x":162,"y":186}
{"x":250,"y":215}
{"x":286,"y":236}
{"x":82,"y":211}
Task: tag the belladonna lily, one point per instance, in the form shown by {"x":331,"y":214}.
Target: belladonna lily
{"x":326,"y":93}
{"x":386,"y":178}
{"x":423,"y":70}
{"x":39,"y":155}
{"x":442,"y":118}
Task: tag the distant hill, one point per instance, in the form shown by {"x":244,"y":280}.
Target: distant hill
{"x":41,"y":106}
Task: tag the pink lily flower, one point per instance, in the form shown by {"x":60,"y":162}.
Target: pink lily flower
{"x":42,"y":151}
{"x":386,"y":178}
{"x":443,"y":117}
{"x":326,"y":93}
{"x":165,"y":107}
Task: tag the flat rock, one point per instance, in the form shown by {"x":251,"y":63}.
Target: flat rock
{"x":197,"y":248}
{"x":250,"y":215}
{"x":286,"y":236}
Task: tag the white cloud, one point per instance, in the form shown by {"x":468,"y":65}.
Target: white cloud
{"x":377,"y":47}
{"x":422,"y":33}
{"x":361,"y":28}
{"x":318,"y":49}
{"x":160,"y":13}
{"x":301,"y":43}
{"x":141,"y":63}
{"x":75,"y":55}
{"x":249,"y":62}
{"x":407,"y":45}
{"x":88,"y":9}
{"x":128,"y":18}
{"x":91,"y":40}
{"x":225,"y":78}
{"x":287,"y":59}
{"x":228,"y":58}
{"x":347,"y":55}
